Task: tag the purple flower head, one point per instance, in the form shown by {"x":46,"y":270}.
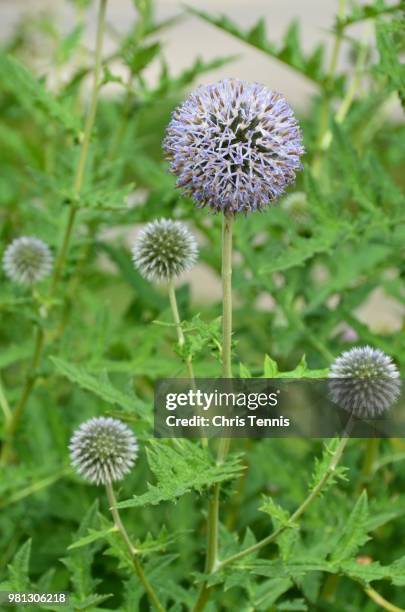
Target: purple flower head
{"x":234,"y":146}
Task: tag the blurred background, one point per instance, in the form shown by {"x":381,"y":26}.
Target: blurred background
{"x":185,"y":40}
{"x":191,"y":36}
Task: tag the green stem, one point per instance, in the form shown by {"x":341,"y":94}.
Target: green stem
{"x":132,"y":550}
{"x":211,"y":562}
{"x":227,"y":295}
{"x":61,"y":259}
{"x":297,"y":514}
{"x":176,"y":318}
{"x":324,"y":114}
{"x":379,"y":600}
{"x":4,"y":404}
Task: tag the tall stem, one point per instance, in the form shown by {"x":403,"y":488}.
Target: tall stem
{"x":227,"y":295}
{"x":61,"y":258}
{"x":212,"y":562}
{"x":131,"y":549}
{"x":176,"y":318}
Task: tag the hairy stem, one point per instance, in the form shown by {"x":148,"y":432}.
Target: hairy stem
{"x":61,"y":258}
{"x":131,"y":549}
{"x":211,"y":562}
{"x":176,"y":318}
{"x":297,"y":514}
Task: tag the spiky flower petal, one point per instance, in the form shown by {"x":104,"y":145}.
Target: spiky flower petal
{"x":364,"y":381}
{"x":27,"y":260}
{"x":164,"y":249}
{"x":234,"y":146}
{"x":103,"y":450}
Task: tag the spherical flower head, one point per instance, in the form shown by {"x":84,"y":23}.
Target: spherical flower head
{"x":103,"y":450}
{"x":163,"y":250}
{"x":27,"y":260}
{"x":234,"y":146}
{"x":364,"y":381}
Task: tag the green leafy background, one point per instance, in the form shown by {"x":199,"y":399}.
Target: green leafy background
{"x":334,"y":240}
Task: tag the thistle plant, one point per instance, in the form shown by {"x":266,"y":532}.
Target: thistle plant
{"x":27,"y":260}
{"x":234,"y":147}
{"x":162,"y":252}
{"x":325,"y":259}
{"x":103,"y":450}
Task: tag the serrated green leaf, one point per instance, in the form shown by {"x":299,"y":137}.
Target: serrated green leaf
{"x":279,"y":515}
{"x":19,"y":568}
{"x":137,"y":58}
{"x":290,"y":52}
{"x":99,"y":385}
{"x":31,"y":93}
{"x":92,"y":536}
{"x":322,"y":467}
{"x":354,"y":533}
{"x":179,"y":469}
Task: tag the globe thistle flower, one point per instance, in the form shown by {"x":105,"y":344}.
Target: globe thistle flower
{"x":103,"y":450}
{"x":27,"y":260}
{"x":163,"y":250}
{"x":234,"y":146}
{"x":364,"y":381}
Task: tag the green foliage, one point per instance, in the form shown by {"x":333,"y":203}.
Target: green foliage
{"x":289,"y":52}
{"x":355,"y":532}
{"x":313,"y":276}
{"x":32,"y":94}
{"x":179,"y":469}
{"x":100,"y":386}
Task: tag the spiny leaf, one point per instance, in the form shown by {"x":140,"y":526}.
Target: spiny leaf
{"x":366,"y":11}
{"x":368,"y":572}
{"x":100,"y":386}
{"x":290,"y":52}
{"x":138,"y":57}
{"x":279,"y":515}
{"x":179,"y":469}
{"x":92,"y":536}
{"x":322,"y":467}
{"x":354,"y":533}
{"x":31,"y":93}
{"x":19,"y":568}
